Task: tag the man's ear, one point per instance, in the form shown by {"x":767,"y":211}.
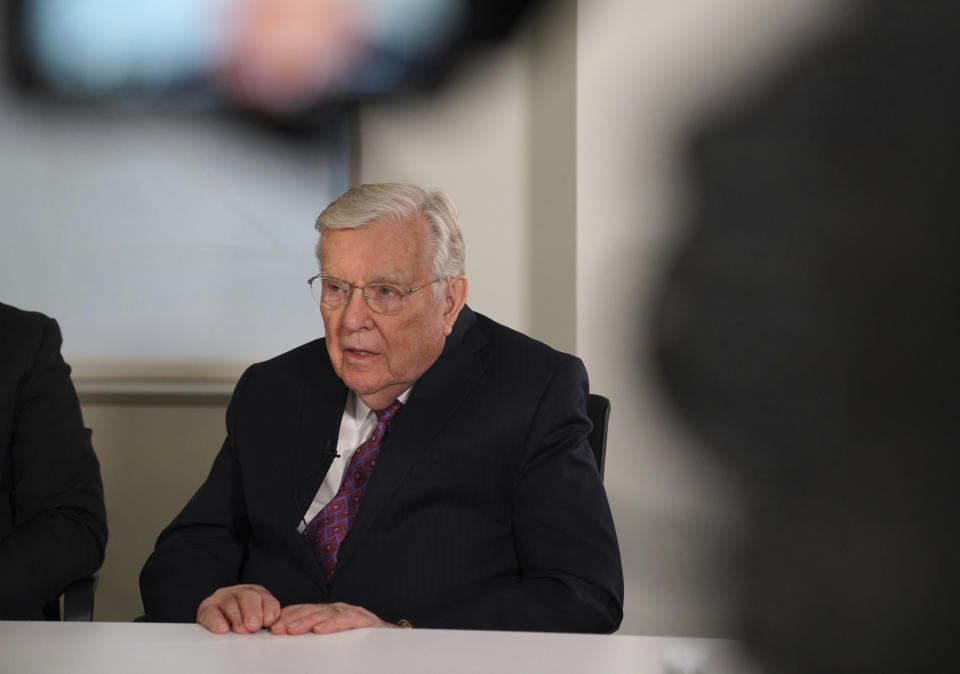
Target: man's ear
{"x":454,"y":297}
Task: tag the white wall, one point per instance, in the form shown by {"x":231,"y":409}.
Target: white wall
{"x":151,"y":236}
{"x":471,"y":141}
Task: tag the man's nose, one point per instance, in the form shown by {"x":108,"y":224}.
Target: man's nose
{"x":356,"y":313}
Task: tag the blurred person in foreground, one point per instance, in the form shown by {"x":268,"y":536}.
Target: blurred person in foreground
{"x":421,"y":464}
{"x":809,"y":329}
{"x":53,"y":526}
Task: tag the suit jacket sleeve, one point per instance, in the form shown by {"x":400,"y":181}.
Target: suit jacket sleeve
{"x":205,"y":546}
{"x":570,"y":576}
{"x":53,"y":525}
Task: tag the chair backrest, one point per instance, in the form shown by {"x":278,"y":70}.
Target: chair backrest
{"x":598,"y":409}
{"x":77,"y":600}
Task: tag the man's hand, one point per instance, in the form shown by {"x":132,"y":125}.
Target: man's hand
{"x":324,"y":619}
{"x":242,"y":608}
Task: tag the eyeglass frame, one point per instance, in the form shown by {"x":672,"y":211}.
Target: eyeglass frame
{"x":350,"y":286}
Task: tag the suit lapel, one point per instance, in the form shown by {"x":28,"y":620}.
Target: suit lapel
{"x":322,"y":404}
{"x":436,"y":396}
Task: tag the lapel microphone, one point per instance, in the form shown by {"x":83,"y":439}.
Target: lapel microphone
{"x":328,"y":451}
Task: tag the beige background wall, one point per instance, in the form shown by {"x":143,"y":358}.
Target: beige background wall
{"x":152,"y":457}
{"x":561,"y":153}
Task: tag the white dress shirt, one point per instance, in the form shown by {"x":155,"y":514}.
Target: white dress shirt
{"x":356,"y":427}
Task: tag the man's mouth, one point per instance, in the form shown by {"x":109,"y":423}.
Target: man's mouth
{"x":359,"y":352}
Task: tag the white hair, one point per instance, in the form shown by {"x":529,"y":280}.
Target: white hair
{"x":367,"y":204}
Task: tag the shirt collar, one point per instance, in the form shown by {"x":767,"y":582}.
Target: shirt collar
{"x":358,"y":410}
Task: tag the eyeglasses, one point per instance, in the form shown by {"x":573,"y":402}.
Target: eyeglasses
{"x":382,"y":298}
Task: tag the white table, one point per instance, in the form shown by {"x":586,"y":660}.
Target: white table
{"x":139,"y":648}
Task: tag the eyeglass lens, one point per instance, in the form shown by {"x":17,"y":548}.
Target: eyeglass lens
{"x":383,"y":298}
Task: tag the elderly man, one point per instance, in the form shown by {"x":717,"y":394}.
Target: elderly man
{"x":421,"y":464}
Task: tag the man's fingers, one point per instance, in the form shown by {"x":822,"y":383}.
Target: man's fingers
{"x":213,"y":619}
{"x":324,"y":619}
{"x":231,"y":610}
{"x":251,"y":608}
{"x":242,"y":608}
{"x":271,"y":610}
{"x":346,"y":618}
{"x":259,"y":607}
{"x":294,"y":614}
{"x":313,"y":620}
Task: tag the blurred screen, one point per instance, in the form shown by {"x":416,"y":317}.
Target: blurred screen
{"x":277,"y":57}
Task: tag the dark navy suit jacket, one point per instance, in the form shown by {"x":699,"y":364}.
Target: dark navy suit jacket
{"x":53,"y":527}
{"x":485,"y":510}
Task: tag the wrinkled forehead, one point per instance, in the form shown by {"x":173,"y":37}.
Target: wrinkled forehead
{"x":387,"y":249}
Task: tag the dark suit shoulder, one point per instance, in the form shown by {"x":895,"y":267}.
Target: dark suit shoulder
{"x":22,"y":334}
{"x":17,"y":324}
{"x":13,"y":318}
{"x":287,"y":377}
{"x":524,"y":349}
{"x":305,"y":361}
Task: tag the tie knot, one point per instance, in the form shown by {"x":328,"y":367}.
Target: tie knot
{"x":386,"y":415}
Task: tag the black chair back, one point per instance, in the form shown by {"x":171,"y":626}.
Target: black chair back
{"x":77,"y":600}
{"x":598,"y":409}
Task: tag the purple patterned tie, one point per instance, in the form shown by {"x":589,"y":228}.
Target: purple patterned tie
{"x":328,"y":529}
